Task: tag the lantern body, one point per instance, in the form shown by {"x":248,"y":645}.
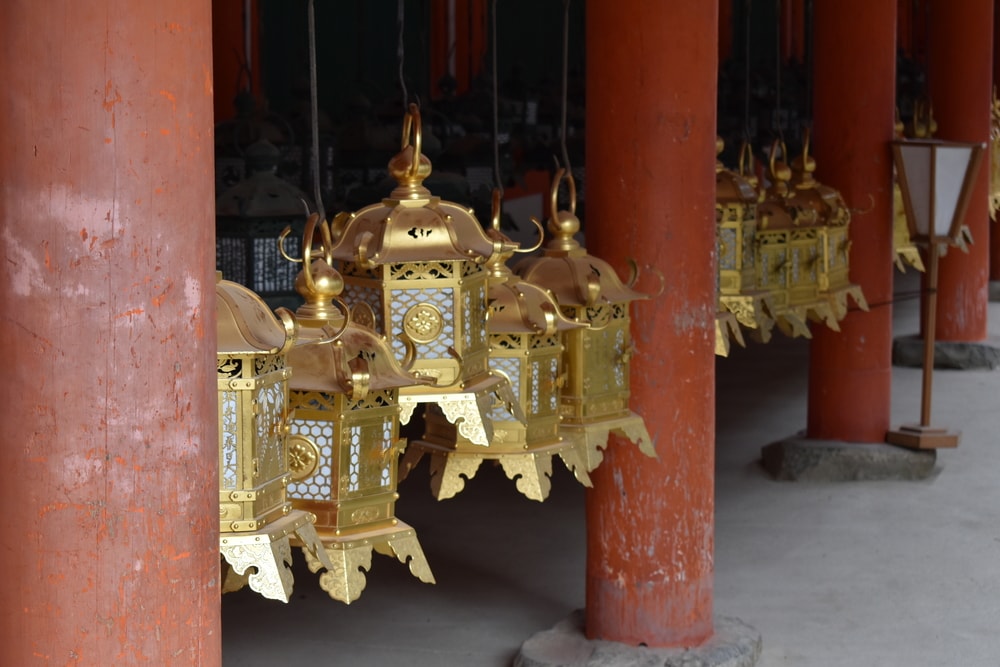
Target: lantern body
{"x":936,"y":178}
{"x":256,"y":519}
{"x":253,"y":474}
{"x":344,"y":451}
{"x":347,"y":477}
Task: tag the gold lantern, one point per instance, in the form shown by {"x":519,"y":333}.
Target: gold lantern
{"x":776,"y":236}
{"x":256,"y":520}
{"x":525,"y":335}
{"x":736,"y":199}
{"x":345,"y":444}
{"x":594,"y":400}
{"x":832,"y":218}
{"x":413,"y":269}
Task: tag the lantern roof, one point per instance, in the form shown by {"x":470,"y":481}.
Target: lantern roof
{"x":354,"y":361}
{"x":245,"y":323}
{"x":412,"y":225}
{"x":567,"y":270}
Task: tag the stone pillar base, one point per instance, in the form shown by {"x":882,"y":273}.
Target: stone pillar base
{"x":802,"y":459}
{"x":734,"y":644}
{"x":908,"y":351}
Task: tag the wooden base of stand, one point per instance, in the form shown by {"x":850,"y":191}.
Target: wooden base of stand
{"x":916,"y":436}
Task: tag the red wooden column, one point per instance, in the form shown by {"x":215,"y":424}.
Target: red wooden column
{"x":995,"y":227}
{"x":229,"y":23}
{"x":651,"y":122}
{"x":110,"y":545}
{"x":850,"y":372}
{"x":960,"y":78}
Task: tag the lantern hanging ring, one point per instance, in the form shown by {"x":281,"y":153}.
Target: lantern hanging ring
{"x":412,"y":125}
{"x":560,"y":174}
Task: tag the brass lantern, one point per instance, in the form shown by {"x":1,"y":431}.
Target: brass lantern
{"x":255,"y":518}
{"x":736,"y":199}
{"x":832,"y":221}
{"x":345,"y":444}
{"x":774,"y":243}
{"x":525,"y":336}
{"x":413,"y":269}
{"x":594,"y":400}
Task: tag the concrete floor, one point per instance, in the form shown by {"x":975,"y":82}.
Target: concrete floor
{"x":851,"y":574}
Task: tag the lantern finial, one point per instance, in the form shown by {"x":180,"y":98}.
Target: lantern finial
{"x":410,"y":167}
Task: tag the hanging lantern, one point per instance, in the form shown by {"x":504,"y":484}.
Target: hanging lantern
{"x":345,"y":445}
{"x":736,"y":199}
{"x":525,"y":336}
{"x":832,"y":221}
{"x":774,"y":251}
{"x":594,"y":400}
{"x":255,"y":518}
{"x":413,"y":269}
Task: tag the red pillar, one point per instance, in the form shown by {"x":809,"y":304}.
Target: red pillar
{"x":651,"y":122}
{"x":850,"y":372}
{"x":960,"y":78}
{"x":995,"y":227}
{"x":109,"y":475}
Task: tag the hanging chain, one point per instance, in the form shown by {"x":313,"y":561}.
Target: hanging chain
{"x":314,"y":112}
{"x":400,"y":53}
{"x":496,"y":114}
{"x":565,"y":86}
{"x":746,"y":73}
{"x":777,"y":76}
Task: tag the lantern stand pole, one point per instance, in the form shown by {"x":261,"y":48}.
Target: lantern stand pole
{"x":930,"y":322}
{"x":923,"y":435}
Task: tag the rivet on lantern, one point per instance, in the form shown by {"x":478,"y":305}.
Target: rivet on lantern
{"x":345,"y":443}
{"x":255,"y":518}
{"x":736,"y":199}
{"x":525,"y":343}
{"x":416,"y":261}
{"x":594,"y":400}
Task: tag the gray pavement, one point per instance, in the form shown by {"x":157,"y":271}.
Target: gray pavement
{"x":850,"y":574}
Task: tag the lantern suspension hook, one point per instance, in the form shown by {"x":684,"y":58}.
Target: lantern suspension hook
{"x":495,"y":224}
{"x":401,"y":51}
{"x":635,"y":273}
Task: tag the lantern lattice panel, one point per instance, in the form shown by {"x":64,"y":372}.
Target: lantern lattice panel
{"x":408,"y":309}
{"x":319,"y":485}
